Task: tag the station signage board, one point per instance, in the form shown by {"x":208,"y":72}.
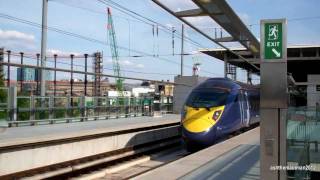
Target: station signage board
{"x":273,"y":41}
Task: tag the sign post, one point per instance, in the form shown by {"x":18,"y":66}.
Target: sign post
{"x":273,"y":97}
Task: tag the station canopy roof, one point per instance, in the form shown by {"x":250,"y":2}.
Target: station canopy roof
{"x":302,"y":60}
{"x":224,"y":17}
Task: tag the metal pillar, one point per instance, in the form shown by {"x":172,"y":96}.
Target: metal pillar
{"x":98,"y":69}
{"x":215,"y":33}
{"x":71,"y":80}
{"x":182,"y":47}
{"x":225,"y":65}
{"x":55,"y":75}
{"x":249,"y":77}
{"x":8,"y":73}
{"x":273,"y":104}
{"x":21,"y":72}
{"x":43,"y":46}
{"x":85,"y":76}
{"x":172,"y":39}
{"x":37,"y":76}
{"x":1,"y":66}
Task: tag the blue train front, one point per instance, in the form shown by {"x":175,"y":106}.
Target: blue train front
{"x":215,"y":108}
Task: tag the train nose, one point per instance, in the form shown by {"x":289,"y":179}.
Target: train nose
{"x":199,"y":125}
{"x":205,"y":138}
{"x":197,"y":120}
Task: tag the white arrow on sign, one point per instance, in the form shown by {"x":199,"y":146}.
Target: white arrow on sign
{"x":276,"y":52}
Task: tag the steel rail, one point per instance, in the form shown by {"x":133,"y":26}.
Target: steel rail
{"x":86,"y":161}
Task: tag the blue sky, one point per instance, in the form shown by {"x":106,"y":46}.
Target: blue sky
{"x":303,"y":28}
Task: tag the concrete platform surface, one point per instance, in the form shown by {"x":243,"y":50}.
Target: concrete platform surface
{"x":34,"y":134}
{"x":235,"y":158}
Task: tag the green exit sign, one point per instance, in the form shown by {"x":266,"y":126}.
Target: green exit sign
{"x":273,"y":41}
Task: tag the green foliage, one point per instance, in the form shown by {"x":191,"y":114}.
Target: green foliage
{"x":23,"y":103}
{"x":60,"y":113}
{"x":3,"y":99}
{"x":42,"y":115}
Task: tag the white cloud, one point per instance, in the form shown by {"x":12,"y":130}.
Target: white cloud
{"x":140,"y":66}
{"x":61,"y":53}
{"x":126,"y":63}
{"x":16,"y":40}
{"x":16,"y":35}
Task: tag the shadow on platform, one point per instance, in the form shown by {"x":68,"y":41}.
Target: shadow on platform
{"x":240,"y":163}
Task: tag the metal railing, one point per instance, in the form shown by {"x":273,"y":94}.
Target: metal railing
{"x":37,"y":110}
{"x":4,"y":105}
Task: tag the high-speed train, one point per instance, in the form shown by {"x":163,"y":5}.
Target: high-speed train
{"x":217,"y":107}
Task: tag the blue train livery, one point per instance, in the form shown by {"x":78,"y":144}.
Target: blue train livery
{"x":216,"y":108}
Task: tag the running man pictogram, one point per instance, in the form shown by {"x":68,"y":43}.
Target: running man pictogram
{"x":273,"y":32}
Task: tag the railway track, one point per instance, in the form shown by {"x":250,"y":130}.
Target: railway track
{"x":135,"y":165}
{"x":124,"y":163}
{"x":118,"y":144}
{"x":78,"y":168}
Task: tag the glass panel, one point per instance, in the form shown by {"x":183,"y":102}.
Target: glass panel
{"x":303,"y":138}
{"x":207,"y":98}
{"x":3,"y":104}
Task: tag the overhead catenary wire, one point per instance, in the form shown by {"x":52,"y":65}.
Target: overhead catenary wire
{"x":80,"y":65}
{"x":85,"y":38}
{"x":120,"y":8}
{"x":144,"y":54}
{"x":152,"y":23}
{"x":88,"y":73}
{"x":164,"y":27}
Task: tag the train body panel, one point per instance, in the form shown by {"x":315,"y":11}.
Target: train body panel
{"x":218,"y":107}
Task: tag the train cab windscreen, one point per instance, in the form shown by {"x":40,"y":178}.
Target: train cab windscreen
{"x":207,"y":98}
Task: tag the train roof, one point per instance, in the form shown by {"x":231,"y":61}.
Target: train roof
{"x":227,"y":83}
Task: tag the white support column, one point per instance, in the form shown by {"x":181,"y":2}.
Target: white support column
{"x":43,"y":47}
{"x":13,"y":103}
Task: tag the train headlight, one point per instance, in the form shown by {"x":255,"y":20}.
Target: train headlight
{"x":216,"y":115}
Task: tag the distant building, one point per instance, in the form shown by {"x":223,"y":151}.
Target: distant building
{"x":30,"y":74}
{"x":63,"y":87}
{"x":38,"y":75}
{"x":116,"y":94}
{"x":140,"y":91}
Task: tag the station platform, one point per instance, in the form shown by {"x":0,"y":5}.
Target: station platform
{"x":235,"y":158}
{"x":29,"y":148}
{"x":33,"y":134}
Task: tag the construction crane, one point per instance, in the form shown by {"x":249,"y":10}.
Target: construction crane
{"x":115,"y":54}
